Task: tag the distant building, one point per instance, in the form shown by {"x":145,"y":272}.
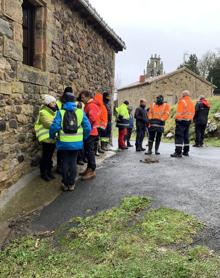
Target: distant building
{"x":154,"y":66}
{"x":169,"y":85}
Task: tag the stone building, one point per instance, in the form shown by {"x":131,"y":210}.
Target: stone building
{"x":46,"y":45}
{"x":169,"y":85}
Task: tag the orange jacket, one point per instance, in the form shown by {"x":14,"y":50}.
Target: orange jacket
{"x":159,"y":112}
{"x":104,"y":113}
{"x":185,"y":109}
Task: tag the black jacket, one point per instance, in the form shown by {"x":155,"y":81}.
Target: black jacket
{"x":141,"y":116}
{"x":201,"y":113}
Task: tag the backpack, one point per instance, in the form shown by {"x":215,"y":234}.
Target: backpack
{"x":70,"y":125}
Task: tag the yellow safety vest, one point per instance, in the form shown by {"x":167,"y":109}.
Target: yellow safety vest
{"x":59,"y":104}
{"x":71,"y":138}
{"x":42,"y":133}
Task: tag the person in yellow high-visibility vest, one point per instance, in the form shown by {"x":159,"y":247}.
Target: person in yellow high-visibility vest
{"x":72,"y":126}
{"x":45,"y":118}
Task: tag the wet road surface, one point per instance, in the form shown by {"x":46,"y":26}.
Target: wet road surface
{"x":190,"y":184}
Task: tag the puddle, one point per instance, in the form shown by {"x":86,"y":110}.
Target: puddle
{"x":34,"y":195}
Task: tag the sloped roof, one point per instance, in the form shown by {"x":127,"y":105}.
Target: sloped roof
{"x":164,"y":76}
{"x":97,"y":22}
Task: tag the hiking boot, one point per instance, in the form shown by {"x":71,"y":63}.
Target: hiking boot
{"x":156,"y":152}
{"x":51,"y":176}
{"x":89,"y":175}
{"x":84,"y":172}
{"x":80,"y":162}
{"x":64,"y":187}
{"x":45,"y":177}
{"x":185,"y":154}
{"x":71,"y":187}
{"x":196,"y":146}
{"x":150,"y":146}
{"x":143,"y":149}
{"x":149,"y":152}
{"x":129,"y":145}
{"x":100,"y":150}
{"x":176,"y":155}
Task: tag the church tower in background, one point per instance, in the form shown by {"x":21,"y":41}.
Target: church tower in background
{"x":154,"y":66}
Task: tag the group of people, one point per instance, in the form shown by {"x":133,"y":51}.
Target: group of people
{"x":80,"y":127}
{"x":151,"y":121}
{"x":77,"y":128}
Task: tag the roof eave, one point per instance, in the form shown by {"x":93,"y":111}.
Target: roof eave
{"x":100,"y":25}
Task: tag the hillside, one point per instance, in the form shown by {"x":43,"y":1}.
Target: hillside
{"x":213,"y":127}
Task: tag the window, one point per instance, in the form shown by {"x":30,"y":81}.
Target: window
{"x":28,"y":32}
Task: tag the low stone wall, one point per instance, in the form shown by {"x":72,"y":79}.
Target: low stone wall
{"x":68,"y":52}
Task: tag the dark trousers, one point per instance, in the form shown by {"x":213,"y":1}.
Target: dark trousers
{"x":122,"y":132}
{"x":182,"y":136}
{"x":89,"y":145}
{"x":69,"y":169}
{"x":59,"y":161}
{"x":140,"y":133}
{"x":128,"y":137}
{"x":46,"y":162}
{"x":200,"y":133}
{"x":155,"y":134}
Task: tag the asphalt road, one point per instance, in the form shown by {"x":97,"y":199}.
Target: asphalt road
{"x":190,"y":184}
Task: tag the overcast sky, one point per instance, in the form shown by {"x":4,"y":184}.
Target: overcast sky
{"x":169,"y":28}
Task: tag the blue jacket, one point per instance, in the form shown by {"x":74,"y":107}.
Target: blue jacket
{"x":56,"y":127}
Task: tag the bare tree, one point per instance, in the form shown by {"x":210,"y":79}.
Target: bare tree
{"x":206,"y":63}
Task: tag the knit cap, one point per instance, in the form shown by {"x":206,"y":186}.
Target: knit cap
{"x":48,"y":99}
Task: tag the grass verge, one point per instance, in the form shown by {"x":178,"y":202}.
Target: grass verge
{"x":128,"y":241}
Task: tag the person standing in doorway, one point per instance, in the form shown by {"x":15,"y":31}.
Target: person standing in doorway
{"x":72,"y":126}
{"x":157,"y":115}
{"x":184,"y":116}
{"x":141,"y":124}
{"x":200,"y":120}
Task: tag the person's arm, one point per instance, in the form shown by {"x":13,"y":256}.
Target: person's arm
{"x":56,"y":125}
{"x":166,"y":113}
{"x":86,"y":126}
{"x":45,"y":120}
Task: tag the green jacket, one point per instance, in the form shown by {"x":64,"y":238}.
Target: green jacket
{"x":122,"y":111}
{"x":45,"y":119}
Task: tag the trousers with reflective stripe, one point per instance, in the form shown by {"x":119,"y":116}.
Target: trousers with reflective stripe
{"x":70,"y":138}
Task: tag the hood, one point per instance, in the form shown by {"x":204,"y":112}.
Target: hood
{"x":69,"y":106}
{"x":99,"y":99}
{"x":205,"y":102}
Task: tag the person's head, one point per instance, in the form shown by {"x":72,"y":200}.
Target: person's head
{"x":68,"y":97}
{"x":201,"y":97}
{"x":126,"y":102}
{"x":159,"y":100}
{"x":185,"y":93}
{"x":66,"y":90}
{"x":143,"y":103}
{"x":85,"y":96}
{"x":106,"y":96}
{"x":50,"y":101}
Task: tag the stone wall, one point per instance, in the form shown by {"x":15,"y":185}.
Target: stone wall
{"x":170,"y":87}
{"x":68,"y":51}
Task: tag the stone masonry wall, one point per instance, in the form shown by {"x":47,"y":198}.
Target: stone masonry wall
{"x":170,"y":88}
{"x":68,"y":52}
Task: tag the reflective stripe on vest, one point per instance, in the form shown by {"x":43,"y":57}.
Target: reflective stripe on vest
{"x":71,"y":138}
{"x":184,"y":113}
{"x":159,"y":113}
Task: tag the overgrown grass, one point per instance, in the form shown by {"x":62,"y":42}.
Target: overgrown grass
{"x":129,"y":241}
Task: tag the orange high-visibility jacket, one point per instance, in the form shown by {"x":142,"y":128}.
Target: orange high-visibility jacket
{"x":104,"y":113}
{"x":159,"y":112}
{"x":185,"y":109}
